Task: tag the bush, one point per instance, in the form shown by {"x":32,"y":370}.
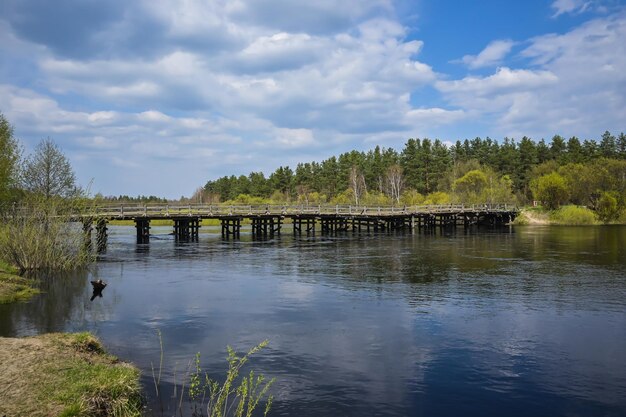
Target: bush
{"x":36,"y":237}
{"x":573,"y":215}
{"x":376,"y":199}
{"x":438,"y":197}
{"x":411,"y":198}
{"x":607,"y":207}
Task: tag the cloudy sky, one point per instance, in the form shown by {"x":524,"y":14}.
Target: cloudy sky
{"x":157,"y":97}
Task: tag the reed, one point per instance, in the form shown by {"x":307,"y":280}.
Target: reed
{"x":235,"y":397}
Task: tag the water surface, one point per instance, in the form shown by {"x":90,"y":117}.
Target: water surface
{"x":518,"y":322}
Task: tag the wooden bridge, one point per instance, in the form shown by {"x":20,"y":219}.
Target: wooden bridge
{"x":268,"y":220}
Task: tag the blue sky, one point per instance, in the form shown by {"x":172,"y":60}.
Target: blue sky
{"x":159,"y":97}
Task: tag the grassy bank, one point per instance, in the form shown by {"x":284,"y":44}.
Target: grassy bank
{"x":13,"y":287}
{"x":565,"y":215}
{"x":65,"y":375}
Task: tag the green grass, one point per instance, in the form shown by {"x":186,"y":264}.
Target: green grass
{"x":14,"y":288}
{"x":573,"y":216}
{"x":66,"y":375}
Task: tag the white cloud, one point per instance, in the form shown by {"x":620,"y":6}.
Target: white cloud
{"x":355,"y":82}
{"x":435,"y":116}
{"x":574,"y":87}
{"x":504,"y":80}
{"x":231,"y":81}
{"x":490,"y":56}
{"x":569,"y":6}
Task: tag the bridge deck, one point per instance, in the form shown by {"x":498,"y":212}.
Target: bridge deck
{"x":159,"y":212}
{"x":268,"y":220}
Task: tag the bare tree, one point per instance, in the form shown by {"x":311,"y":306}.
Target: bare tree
{"x":357,"y":184}
{"x":48,"y":172}
{"x":199,"y":196}
{"x":395,"y":182}
{"x":303,"y":193}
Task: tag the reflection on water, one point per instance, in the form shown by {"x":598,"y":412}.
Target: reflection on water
{"x":525,"y":321}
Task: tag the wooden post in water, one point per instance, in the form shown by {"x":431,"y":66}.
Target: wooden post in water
{"x":231,"y":226}
{"x":143,"y":229}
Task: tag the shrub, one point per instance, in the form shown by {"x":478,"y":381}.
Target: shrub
{"x":607,"y":207}
{"x":573,"y":215}
{"x":438,"y":197}
{"x":37,"y":237}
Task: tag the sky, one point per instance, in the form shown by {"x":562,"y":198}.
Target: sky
{"x":158,"y":97}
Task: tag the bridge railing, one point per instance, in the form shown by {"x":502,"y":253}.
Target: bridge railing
{"x":139,"y":210}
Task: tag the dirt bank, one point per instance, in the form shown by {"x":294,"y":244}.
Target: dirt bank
{"x":65,"y":375}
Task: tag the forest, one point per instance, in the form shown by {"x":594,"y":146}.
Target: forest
{"x":564,"y":171}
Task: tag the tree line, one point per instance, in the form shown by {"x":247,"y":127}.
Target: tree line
{"x":428,"y":171}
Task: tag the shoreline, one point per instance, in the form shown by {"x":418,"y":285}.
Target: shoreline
{"x":67,"y":374}
{"x":582,"y":216}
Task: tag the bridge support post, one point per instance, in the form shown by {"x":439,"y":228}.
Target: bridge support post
{"x":264,"y":226}
{"x":143,"y":229}
{"x":186,"y":228}
{"x":231,"y":226}
{"x":101,"y":234}
{"x":303,"y":224}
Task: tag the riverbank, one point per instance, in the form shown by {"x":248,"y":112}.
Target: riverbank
{"x":564,"y":216}
{"x":13,"y":287}
{"x":65,"y":375}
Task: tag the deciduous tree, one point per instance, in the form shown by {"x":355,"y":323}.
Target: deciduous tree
{"x":48,"y":173}
{"x":551,"y":190}
{"x":9,"y":157}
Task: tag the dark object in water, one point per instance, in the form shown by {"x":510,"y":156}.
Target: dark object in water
{"x":98,"y":286}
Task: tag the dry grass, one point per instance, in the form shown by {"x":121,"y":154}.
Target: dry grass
{"x":532,"y":217}
{"x":65,"y":375}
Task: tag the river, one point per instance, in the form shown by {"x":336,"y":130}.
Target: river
{"x":523,"y":321}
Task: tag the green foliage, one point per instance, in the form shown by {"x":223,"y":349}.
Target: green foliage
{"x":343,"y":199}
{"x":551,"y":190}
{"x":247,"y":199}
{"x":376,"y":199}
{"x":48,"y":173}
{"x":438,"y":197}
{"x":14,"y":288}
{"x":470,"y":185}
{"x":38,"y":236}
{"x":573,"y":215}
{"x":607,"y":207}
{"x":512,"y":170}
{"x":581,"y":182}
{"x":412,"y":198}
{"x":9,"y":159}
{"x":483,"y":185}
{"x":233,"y":397}
{"x":312,"y":198}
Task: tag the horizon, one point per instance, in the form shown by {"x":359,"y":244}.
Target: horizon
{"x":143,"y":98}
